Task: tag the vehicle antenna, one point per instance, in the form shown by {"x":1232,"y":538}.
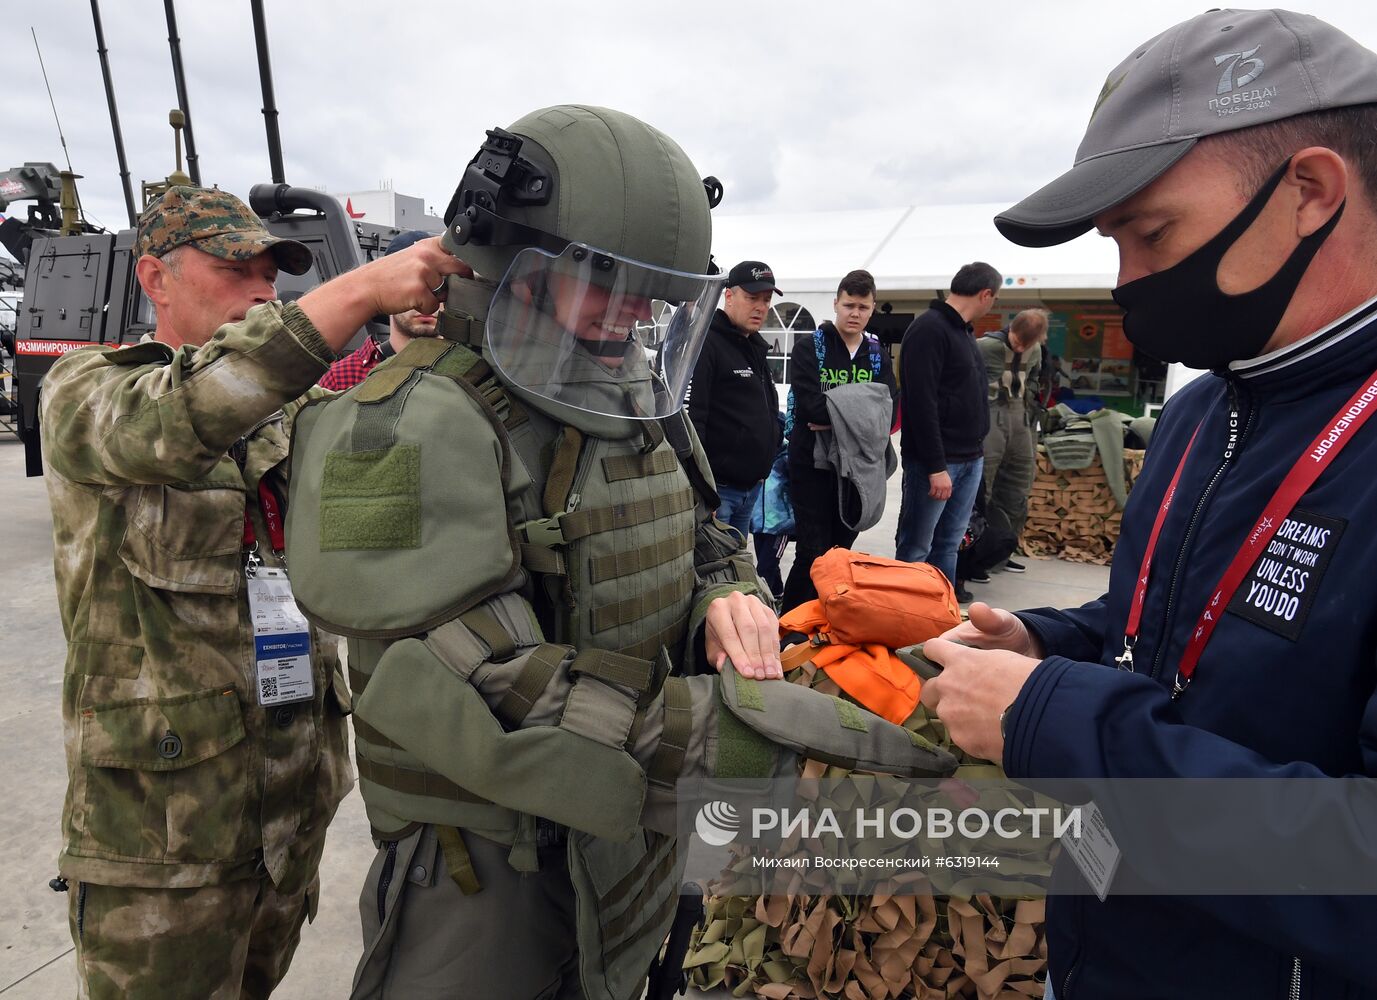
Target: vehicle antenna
{"x":265,"y":77}
{"x":71,"y":201}
{"x":104,"y":55}
{"x":174,"y":42}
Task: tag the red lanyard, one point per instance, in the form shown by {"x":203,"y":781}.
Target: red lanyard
{"x":1308,"y":468}
{"x":272,"y":514}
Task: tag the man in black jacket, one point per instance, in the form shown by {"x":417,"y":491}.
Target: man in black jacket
{"x":945,"y":419}
{"x":732,"y":399}
{"x":837,"y":354}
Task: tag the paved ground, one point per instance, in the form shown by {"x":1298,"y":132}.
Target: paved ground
{"x":35,"y":949}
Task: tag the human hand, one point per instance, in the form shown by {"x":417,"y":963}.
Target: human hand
{"x":995,"y":628}
{"x":742,"y":628}
{"x":939,"y":485}
{"x":397,"y":283}
{"x":972,"y":692}
{"x":410,"y":278}
{"x":819,"y":427}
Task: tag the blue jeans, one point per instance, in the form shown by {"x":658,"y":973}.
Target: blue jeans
{"x":735,"y":508}
{"x":931,"y":530}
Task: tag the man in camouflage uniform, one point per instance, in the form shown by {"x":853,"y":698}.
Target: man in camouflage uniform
{"x":195,"y":816}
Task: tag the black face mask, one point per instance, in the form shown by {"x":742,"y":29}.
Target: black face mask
{"x":1181,"y":315}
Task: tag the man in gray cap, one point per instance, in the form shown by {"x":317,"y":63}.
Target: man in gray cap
{"x":1232,"y":161}
{"x":353,"y":368}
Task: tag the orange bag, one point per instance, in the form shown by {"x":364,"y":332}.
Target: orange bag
{"x":870,"y":599}
{"x":867,"y":606}
{"x":868,"y":672}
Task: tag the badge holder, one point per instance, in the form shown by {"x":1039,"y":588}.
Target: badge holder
{"x":281,"y":634}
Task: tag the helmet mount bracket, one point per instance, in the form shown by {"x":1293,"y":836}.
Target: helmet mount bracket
{"x":499,"y":175}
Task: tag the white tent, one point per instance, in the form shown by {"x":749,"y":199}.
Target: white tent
{"x":912,"y":251}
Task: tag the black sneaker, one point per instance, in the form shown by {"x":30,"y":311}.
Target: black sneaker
{"x":978,"y":578}
{"x":963,"y":595}
{"x":1015,"y":567}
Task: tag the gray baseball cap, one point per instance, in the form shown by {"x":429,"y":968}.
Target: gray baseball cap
{"x":1220,"y":71}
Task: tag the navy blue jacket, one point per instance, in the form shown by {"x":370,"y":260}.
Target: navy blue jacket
{"x":1270,"y":696}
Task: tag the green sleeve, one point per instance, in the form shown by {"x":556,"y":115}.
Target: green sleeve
{"x":721,"y":564}
{"x":992,"y":352}
{"x":147,"y":414}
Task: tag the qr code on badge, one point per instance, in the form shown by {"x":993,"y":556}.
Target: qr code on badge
{"x":267,"y":687}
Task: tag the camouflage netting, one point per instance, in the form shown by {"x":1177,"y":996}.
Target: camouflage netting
{"x":915,"y":942}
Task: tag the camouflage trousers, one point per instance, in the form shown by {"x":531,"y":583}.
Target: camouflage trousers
{"x":424,"y":939}
{"x":215,"y":942}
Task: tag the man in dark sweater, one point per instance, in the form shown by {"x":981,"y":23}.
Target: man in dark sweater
{"x":837,"y":354}
{"x":732,"y":399}
{"x":945,"y":419}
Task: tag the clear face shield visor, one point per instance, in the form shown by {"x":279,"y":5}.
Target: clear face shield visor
{"x":599,"y":332}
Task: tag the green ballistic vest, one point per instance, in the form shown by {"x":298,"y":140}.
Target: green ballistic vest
{"x":418,"y":516}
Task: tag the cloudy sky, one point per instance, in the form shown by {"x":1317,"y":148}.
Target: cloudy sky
{"x":796,"y":106}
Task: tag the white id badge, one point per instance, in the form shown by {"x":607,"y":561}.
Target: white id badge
{"x":1094,"y":851}
{"x":281,"y":639}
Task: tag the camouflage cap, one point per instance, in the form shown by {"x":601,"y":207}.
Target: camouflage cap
{"x":218,"y":223}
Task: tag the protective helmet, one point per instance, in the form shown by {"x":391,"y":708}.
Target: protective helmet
{"x":589,"y":220}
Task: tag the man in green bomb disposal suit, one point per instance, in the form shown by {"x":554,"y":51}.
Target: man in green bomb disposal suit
{"x":202,"y":773}
{"x":513,"y":527}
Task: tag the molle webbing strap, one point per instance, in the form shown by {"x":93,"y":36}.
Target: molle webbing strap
{"x":411,"y":782}
{"x":619,"y":564}
{"x":676,"y":433}
{"x":484,"y":624}
{"x":542,"y":559}
{"x":560,"y":482}
{"x":642,"y":606}
{"x":363,"y":731}
{"x":638,"y":466}
{"x":666,"y":638}
{"x":382,"y":395}
{"x":582,"y":523}
{"x":661,"y":914}
{"x":457,"y":859}
{"x":615,"y":668}
{"x":615,"y":931}
{"x":660,"y":670}
{"x":375,"y":424}
{"x":459,"y":329}
{"x":648,"y":877}
{"x":479,"y":374}
{"x":668,"y":761}
{"x":534,"y":678}
{"x":652,"y":434}
{"x":659,"y":861}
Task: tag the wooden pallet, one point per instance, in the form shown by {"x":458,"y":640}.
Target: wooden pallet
{"x":1071,"y":513}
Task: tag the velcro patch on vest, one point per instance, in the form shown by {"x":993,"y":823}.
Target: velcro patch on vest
{"x":1279,"y":590}
{"x":371,"y":499}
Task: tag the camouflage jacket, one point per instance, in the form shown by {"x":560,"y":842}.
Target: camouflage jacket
{"x":153,"y":458}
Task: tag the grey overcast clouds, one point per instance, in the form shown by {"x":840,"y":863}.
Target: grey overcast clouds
{"x":796,"y":106}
